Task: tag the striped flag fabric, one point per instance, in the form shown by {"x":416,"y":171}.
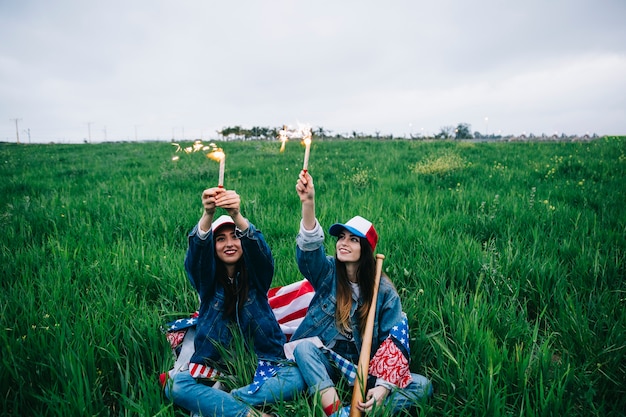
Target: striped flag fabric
{"x":290,"y":304}
{"x":198,"y":370}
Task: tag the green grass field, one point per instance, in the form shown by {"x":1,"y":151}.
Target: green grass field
{"x":510,"y":260}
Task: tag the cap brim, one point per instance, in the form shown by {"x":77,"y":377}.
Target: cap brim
{"x":336,"y":228}
{"x":221,"y":226}
{"x":221,"y":222}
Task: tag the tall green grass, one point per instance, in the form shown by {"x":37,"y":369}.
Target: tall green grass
{"x":509,"y":258}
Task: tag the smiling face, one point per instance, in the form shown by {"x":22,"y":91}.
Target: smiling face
{"x":348,"y":247}
{"x":227,"y":245}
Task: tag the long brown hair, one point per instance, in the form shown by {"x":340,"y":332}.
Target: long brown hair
{"x":366,"y":272}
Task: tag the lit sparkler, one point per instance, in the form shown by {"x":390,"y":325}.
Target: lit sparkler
{"x":283,"y":136}
{"x":218,"y":155}
{"x":306,"y":138}
{"x":304,"y":132}
{"x":195,"y":147}
{"x":178,"y":149}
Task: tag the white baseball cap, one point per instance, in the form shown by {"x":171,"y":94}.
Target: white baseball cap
{"x":221,"y":221}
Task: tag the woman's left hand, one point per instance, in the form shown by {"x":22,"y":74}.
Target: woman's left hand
{"x":375,"y":395}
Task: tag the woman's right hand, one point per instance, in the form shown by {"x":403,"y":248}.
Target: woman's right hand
{"x":208,"y":199}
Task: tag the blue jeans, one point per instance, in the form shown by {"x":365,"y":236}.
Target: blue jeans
{"x":319,"y":373}
{"x":185,"y":391}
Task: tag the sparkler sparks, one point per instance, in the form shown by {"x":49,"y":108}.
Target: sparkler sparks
{"x":302,"y":131}
{"x":195,"y":147}
{"x":283,"y":136}
{"x":217,"y":154}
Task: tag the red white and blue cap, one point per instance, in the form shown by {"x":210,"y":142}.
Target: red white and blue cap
{"x":223,"y":220}
{"x":358,"y":226}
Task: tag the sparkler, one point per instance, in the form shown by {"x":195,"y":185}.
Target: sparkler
{"x":195,"y":147}
{"x":306,"y":138}
{"x":283,"y":136}
{"x":178,"y":148}
{"x":218,"y":155}
{"x":304,"y":132}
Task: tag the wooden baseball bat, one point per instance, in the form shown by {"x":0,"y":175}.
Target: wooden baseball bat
{"x":360,"y":382}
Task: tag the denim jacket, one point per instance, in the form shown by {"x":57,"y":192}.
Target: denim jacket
{"x":320,"y":270}
{"x":255,"y":319}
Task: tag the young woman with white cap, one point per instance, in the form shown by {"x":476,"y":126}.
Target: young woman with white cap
{"x":231,"y":266}
{"x":329,"y":339}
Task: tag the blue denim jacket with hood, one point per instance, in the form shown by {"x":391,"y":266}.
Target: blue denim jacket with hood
{"x":255,"y":320}
{"x":320,"y":270}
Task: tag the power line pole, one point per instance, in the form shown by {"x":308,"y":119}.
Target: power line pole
{"x":17,"y":130}
{"x":89,"y":130}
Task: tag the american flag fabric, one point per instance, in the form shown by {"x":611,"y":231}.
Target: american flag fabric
{"x":400,"y":332}
{"x":201,"y":371}
{"x":391,"y":361}
{"x":289,"y":304}
{"x":182,"y":324}
{"x":176,"y":332}
{"x":264,"y":371}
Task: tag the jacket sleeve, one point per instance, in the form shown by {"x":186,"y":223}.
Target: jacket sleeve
{"x":311,"y":257}
{"x":200,"y":263}
{"x":257,"y":257}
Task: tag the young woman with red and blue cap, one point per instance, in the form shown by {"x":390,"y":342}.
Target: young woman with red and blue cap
{"x":329,"y":339}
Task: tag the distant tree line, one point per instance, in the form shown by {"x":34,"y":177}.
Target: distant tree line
{"x":258,"y":132}
{"x":459,"y":132}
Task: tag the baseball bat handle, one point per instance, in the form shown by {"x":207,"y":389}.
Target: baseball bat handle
{"x":360,"y":382}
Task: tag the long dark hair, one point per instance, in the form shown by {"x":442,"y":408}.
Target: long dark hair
{"x":366,"y":275}
{"x":235,"y":293}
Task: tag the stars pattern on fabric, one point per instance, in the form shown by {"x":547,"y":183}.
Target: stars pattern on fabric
{"x":181,"y":324}
{"x":264,"y":371}
{"x":400,"y":332}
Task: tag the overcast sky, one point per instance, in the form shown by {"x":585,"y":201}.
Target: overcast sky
{"x":156,"y":69}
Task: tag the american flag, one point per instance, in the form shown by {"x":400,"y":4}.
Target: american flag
{"x":289,"y":304}
{"x":264,"y":371}
{"x":391,"y":361}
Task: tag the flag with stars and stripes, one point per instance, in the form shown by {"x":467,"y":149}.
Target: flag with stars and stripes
{"x":264,"y":371}
{"x":289,"y":304}
{"x":400,"y":332}
{"x":182,"y":324}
